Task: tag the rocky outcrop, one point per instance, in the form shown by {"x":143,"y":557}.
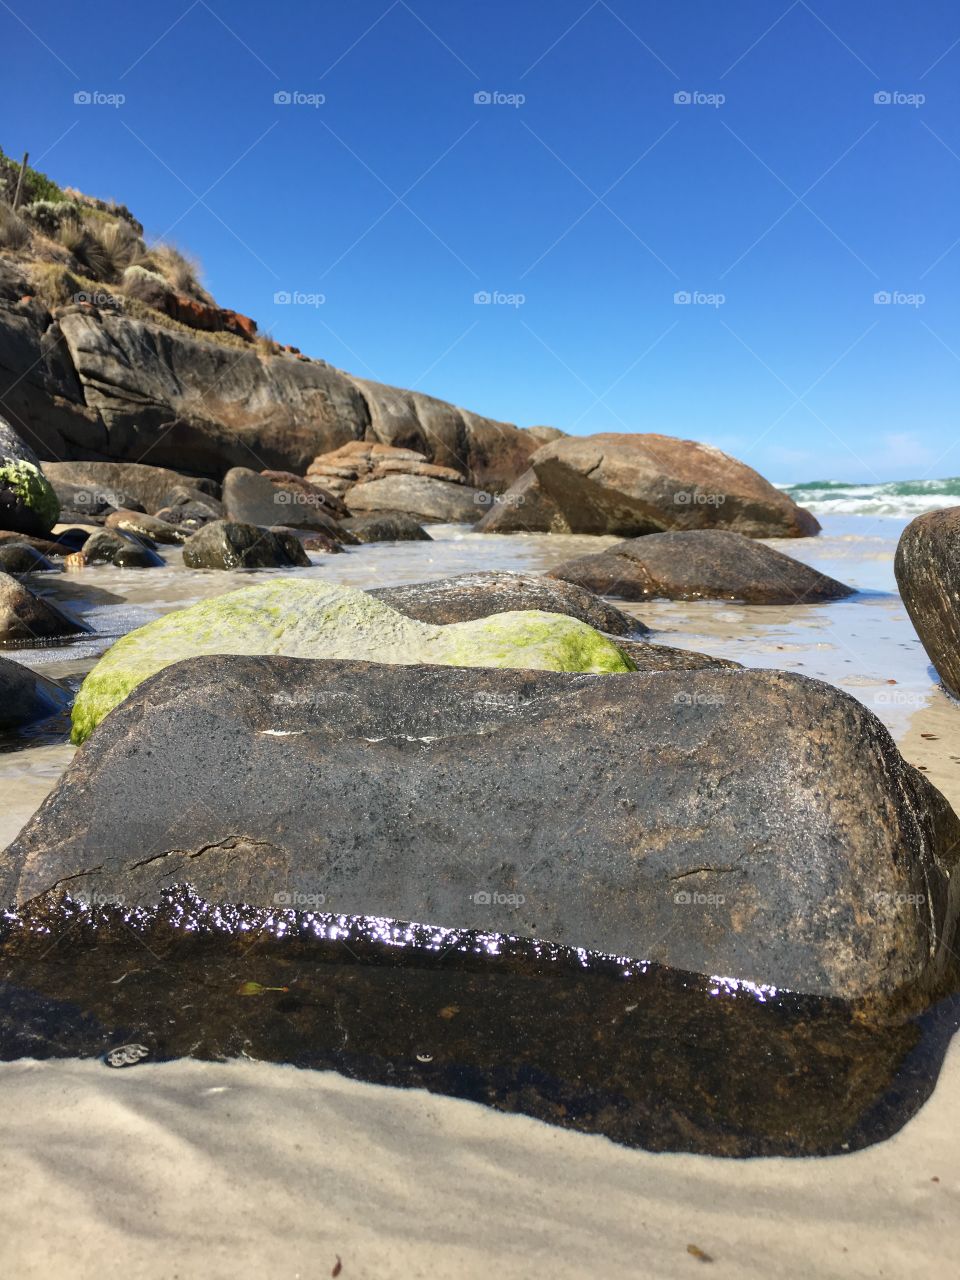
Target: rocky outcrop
{"x":927,"y":567}
{"x":418,"y":496}
{"x":701,"y":564}
{"x":25,"y":617}
{"x":637,"y":484}
{"x":302,"y":617}
{"x":478,"y":595}
{"x":28,"y":503}
{"x":92,"y":384}
{"x":753,"y":824}
{"x":230,"y":544}
{"x":26,"y":697}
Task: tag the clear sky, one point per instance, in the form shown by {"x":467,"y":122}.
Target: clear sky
{"x":781,"y":197}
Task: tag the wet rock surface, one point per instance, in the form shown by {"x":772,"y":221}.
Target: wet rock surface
{"x":709,"y":564}
{"x":927,"y":566}
{"x":26,"y":697}
{"x":120,"y":548}
{"x":645,"y":1055}
{"x":231,"y":544}
{"x":747,"y":823}
{"x":478,"y":595}
{"x":26,"y":617}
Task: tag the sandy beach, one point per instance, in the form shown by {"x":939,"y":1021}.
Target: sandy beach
{"x":188,"y":1168}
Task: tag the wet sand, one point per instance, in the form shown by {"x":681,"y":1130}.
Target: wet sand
{"x":190,"y":1168}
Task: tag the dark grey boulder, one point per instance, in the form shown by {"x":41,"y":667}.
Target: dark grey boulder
{"x":927,"y":567}
{"x":25,"y":617}
{"x":707,"y":564}
{"x":124,"y":551}
{"x":646,"y":656}
{"x":478,"y":595}
{"x":230,"y":544}
{"x":750,"y":824}
{"x":386,"y":526}
{"x":26,"y":697}
{"x":20,"y":557}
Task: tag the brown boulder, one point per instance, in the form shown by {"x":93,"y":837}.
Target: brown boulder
{"x":636,"y":484}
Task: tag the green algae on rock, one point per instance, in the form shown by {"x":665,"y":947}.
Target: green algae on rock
{"x":28,"y":503}
{"x":304,"y":618}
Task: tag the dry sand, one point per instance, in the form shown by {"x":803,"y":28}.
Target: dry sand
{"x":195,"y":1169}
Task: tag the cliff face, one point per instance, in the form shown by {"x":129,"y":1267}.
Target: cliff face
{"x":85,"y":383}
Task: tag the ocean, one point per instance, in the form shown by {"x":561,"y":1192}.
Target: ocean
{"x":901,"y":499}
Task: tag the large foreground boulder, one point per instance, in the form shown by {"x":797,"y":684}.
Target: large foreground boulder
{"x":25,"y":617}
{"x":927,"y":567}
{"x":28,"y":503}
{"x":418,"y":496}
{"x":231,"y":544}
{"x":26,"y":697}
{"x":749,"y":824}
{"x":637,"y":484}
{"x":310,"y":618}
{"x":477,"y":595}
{"x":700,"y":564}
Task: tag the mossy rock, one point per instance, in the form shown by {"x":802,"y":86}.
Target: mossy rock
{"x":28,"y":503}
{"x":304,"y":618}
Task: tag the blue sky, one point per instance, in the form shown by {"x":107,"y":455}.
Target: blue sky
{"x":781,"y":197}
